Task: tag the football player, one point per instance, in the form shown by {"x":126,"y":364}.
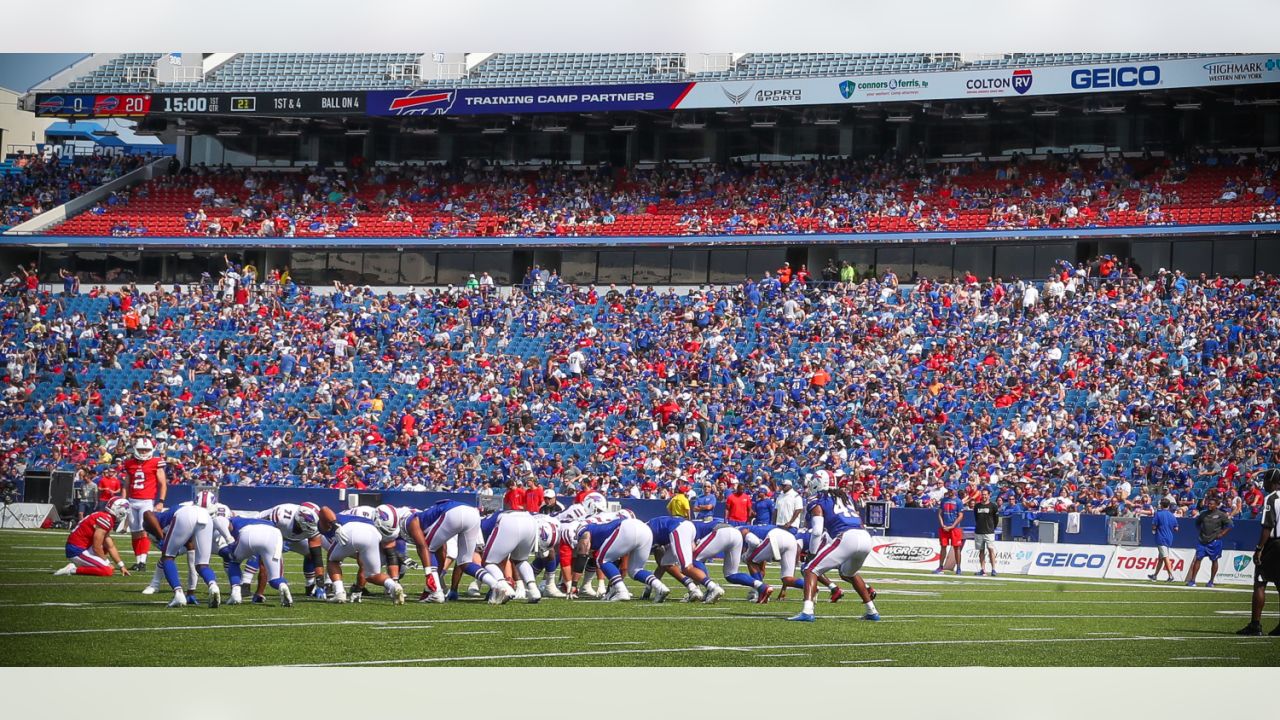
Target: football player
{"x":248,"y":537}
{"x":832,"y":518}
{"x":510,"y":537}
{"x":625,"y":539}
{"x":355,"y":536}
{"x":676,"y":535}
{"x":187,"y":524}
{"x":299,"y":526}
{"x":546,"y":555}
{"x":145,"y":487}
{"x":89,"y":544}
{"x":430,"y":529}
{"x":713,"y":538}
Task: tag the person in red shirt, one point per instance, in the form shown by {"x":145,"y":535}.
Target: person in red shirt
{"x":533,"y":496}
{"x":108,"y":489}
{"x":514,"y":498}
{"x":145,"y":488}
{"x":738,"y":505}
{"x":89,"y":544}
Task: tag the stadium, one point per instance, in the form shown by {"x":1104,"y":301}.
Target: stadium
{"x":670,"y":317}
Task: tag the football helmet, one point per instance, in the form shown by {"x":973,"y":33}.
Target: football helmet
{"x":118,"y":508}
{"x":306,"y":521}
{"x":143,"y":448}
{"x":205,"y":499}
{"x":387,"y":520}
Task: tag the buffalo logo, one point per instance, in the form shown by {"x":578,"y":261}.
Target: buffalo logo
{"x":53,"y":104}
{"x":421,"y":102}
{"x":847,"y":88}
{"x":737,"y":98}
{"x":1022,"y":81}
{"x":106,"y":104}
{"x":1241,"y":562}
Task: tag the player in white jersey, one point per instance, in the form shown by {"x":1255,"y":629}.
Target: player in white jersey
{"x":356,"y":537}
{"x":627,"y":540}
{"x":299,"y":528}
{"x":158,"y":577}
{"x":188,"y":524}
{"x":431,"y":528}
{"x":546,"y":555}
{"x":510,"y":537}
{"x":252,"y":538}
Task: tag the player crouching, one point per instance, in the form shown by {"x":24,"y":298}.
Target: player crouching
{"x":90,"y":543}
{"x":361,"y":538}
{"x":252,"y":538}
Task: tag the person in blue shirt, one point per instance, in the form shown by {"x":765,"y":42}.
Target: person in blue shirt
{"x":704,"y":505}
{"x":1163,"y":525}
{"x":950,"y":511}
{"x":762,"y":508}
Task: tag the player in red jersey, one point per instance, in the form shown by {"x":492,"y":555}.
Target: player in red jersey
{"x":145,"y":487}
{"x":89,"y":545}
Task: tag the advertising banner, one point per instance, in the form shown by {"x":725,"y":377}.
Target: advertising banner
{"x":1136,"y":563}
{"x":26,"y":515}
{"x":541,"y":99}
{"x":83,"y":106}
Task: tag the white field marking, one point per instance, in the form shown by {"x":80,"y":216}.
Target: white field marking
{"x":1241,"y":613}
{"x":876,"y":572}
{"x":37,"y":547}
{"x":784,"y":655}
{"x":492,"y":620}
{"x":474,"y":632}
{"x":1104,"y":633}
{"x":865,"y":662}
{"x":918,"y":593}
{"x":405,"y":627}
{"x":547,"y":637}
{"x":717,"y":648}
{"x":621,"y":642}
{"x":1032,"y":629}
{"x":1206,"y":657}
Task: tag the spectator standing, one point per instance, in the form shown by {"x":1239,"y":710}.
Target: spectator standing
{"x":762,"y":509}
{"x":1213,"y":524}
{"x":1266,"y":556}
{"x":950,"y":512}
{"x":789,"y":507}
{"x":678,"y":505}
{"x":985,"y":516}
{"x":738,"y":505}
{"x":1163,"y":525}
{"x":704,"y":505}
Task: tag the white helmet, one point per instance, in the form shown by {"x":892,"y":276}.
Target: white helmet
{"x":548,"y":531}
{"x":595,"y":503}
{"x":205,"y":499}
{"x":626,"y":514}
{"x":143,"y":448}
{"x":118,"y":508}
{"x":364,"y":511}
{"x":387,"y":520}
{"x":815,"y":483}
{"x":306,"y":521}
{"x":220,"y":510}
{"x":312,"y":506}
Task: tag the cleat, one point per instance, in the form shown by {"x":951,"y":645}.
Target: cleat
{"x":938,"y":571}
{"x":993,"y":573}
{"x":502,"y":594}
{"x":286,"y":597}
{"x":521,"y":593}
{"x":138,"y":567}
{"x":1209,"y":584}
{"x":236,"y":596}
{"x":68,"y":569}
{"x":694,"y":595}
{"x":553,"y":590}
{"x":1171,"y":579}
{"x":763,"y":596}
{"x":589,"y":591}
{"x":661,"y":593}
{"x":532,"y":594}
{"x":1253,"y":629}
{"x":179,"y":599}
{"x":618,"y":593}
{"x":1191,"y":583}
{"x":259,"y":599}
{"x":873,"y":617}
{"x":473,"y":590}
{"x":981,"y":573}
{"x":714,"y":594}
{"x":149,"y":590}
{"x":802,"y":617}
{"x":836,"y":594}
{"x":1151,"y":577}
{"x":338,"y":597}
{"x":215,"y":597}
{"x":957,"y":571}
{"x":397,"y":595}
{"x":453,"y":595}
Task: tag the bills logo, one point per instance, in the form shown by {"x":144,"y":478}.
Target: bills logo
{"x":106,"y":104}
{"x":1022,"y":81}
{"x":422,"y":102}
{"x":53,"y":104}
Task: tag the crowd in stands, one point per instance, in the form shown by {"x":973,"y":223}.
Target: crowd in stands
{"x":42,"y":182}
{"x":839,"y":195}
{"x":1096,"y":391}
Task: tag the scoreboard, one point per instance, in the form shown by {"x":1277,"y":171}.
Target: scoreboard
{"x":277,"y":104}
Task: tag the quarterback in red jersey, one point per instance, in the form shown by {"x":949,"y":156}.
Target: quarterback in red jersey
{"x":145,"y":487}
{"x":89,"y":545}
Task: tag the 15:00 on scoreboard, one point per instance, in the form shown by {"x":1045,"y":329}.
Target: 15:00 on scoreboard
{"x":277,"y":104}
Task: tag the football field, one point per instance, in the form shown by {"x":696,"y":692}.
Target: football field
{"x":928,"y":620}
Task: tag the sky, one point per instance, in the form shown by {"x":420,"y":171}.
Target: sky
{"x":19,"y":71}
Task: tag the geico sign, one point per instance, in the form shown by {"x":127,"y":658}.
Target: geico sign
{"x":1071,"y":560}
{"x":1145,"y":563}
{"x":1115,"y":77}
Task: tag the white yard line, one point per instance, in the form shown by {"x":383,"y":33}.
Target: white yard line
{"x":865,"y":662}
{"x":784,"y":655}
{"x":405,"y":627}
{"x":621,"y":642}
{"x":710,"y":648}
{"x":1206,"y":657}
{"x":474,"y":632}
{"x":1032,"y":629}
{"x":546,"y":637}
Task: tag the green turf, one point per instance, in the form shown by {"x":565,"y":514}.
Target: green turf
{"x":928,"y":621}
